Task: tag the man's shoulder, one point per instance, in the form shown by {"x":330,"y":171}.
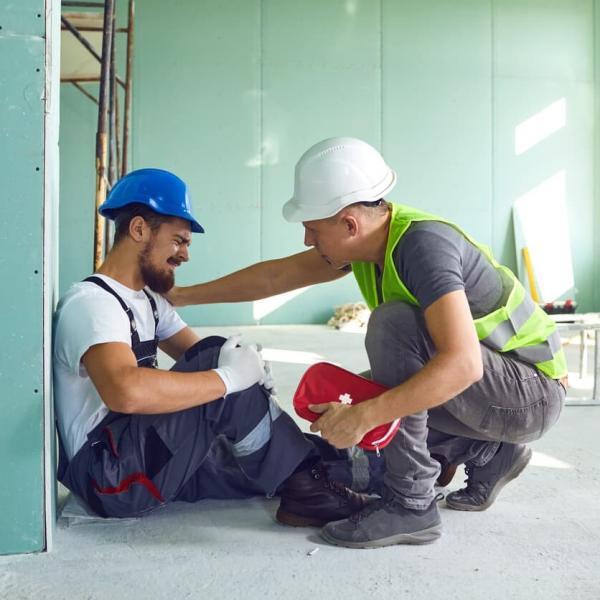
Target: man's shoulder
{"x":439,"y":228}
{"x":82,"y":291}
{"x":85,"y":316}
{"x":84,"y":296}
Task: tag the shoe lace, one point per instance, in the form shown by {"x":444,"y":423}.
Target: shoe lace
{"x":475,"y":489}
{"x":468,"y":473}
{"x":337,"y":487}
{"x":357,"y":517}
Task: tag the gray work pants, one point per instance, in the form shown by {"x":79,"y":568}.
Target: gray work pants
{"x":513,"y":402}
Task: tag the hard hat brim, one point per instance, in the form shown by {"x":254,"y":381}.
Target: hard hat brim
{"x":110,"y":213}
{"x":294,"y":212}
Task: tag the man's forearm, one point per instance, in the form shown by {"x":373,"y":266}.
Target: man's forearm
{"x":155,"y":391}
{"x":251,"y":283}
{"x":440,"y":380}
{"x":264,"y":279}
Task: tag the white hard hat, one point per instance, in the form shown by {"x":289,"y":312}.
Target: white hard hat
{"x":335,"y":173}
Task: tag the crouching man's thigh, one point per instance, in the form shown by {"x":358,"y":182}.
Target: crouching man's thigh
{"x":513,"y":402}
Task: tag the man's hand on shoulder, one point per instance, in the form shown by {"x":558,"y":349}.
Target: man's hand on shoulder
{"x":175,"y":296}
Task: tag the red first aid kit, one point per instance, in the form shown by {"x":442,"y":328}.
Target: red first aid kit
{"x":324,"y":382}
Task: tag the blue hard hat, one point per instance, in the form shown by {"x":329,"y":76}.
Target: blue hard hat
{"x":157,"y":189}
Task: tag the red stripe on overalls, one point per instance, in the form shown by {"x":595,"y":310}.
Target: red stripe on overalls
{"x":127,"y":483}
{"x":111,"y":439}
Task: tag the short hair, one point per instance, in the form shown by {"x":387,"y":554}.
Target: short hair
{"x":124,"y":215}
{"x":374,"y":208}
{"x":373,"y":204}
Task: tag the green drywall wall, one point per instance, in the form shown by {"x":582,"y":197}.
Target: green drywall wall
{"x":78,"y":118}
{"x":22,"y":69}
{"x":437,"y":108}
{"x":231,"y":94}
{"x":321,"y":70}
{"x":204,"y":132}
{"x":540,"y":57}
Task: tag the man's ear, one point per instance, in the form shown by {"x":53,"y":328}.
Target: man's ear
{"x":138,"y":229}
{"x":351,"y":224}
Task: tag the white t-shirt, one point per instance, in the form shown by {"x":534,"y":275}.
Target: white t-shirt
{"x":88,"y":315}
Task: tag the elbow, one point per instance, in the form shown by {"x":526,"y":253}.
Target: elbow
{"x":122,"y":397}
{"x":473,"y":370}
{"x":467,"y":369}
{"x":126,"y":406}
{"x":120,"y":403}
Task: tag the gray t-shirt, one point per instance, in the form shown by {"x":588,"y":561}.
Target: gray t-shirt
{"x":433,"y":259}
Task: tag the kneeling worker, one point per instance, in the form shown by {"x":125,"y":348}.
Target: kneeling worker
{"x":134,"y":437}
{"x":475,"y":367}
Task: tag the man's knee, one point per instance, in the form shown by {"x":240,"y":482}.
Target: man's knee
{"x":397,"y":342}
{"x":395,"y":321}
{"x":213,"y":341}
{"x":202,"y":356}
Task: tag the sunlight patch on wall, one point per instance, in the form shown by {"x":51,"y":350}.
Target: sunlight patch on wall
{"x":268,"y":155}
{"x":540,"y":126}
{"x":541,"y":224}
{"x":262,"y":308}
{"x":351,"y":6}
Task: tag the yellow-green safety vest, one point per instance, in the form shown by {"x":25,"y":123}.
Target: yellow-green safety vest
{"x":519,"y":326}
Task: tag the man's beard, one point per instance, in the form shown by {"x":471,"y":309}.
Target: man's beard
{"x":158,"y":281}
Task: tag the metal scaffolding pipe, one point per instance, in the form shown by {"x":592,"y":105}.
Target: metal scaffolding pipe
{"x":96,"y":29}
{"x":113,"y":133}
{"x":102,"y":130}
{"x":82,"y":4}
{"x":128,"y":95}
{"x":86,"y":44}
{"x":84,"y":92}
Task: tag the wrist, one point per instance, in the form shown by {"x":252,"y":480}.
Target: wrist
{"x":376,"y":411}
{"x":181,"y":296}
{"x":365,"y":415}
{"x":224,"y":376}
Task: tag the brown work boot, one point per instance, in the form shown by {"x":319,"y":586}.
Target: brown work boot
{"x":310,"y":499}
{"x":447,"y":470}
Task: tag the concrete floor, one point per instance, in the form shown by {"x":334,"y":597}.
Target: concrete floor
{"x":541,"y":539}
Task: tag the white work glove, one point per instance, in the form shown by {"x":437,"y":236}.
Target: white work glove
{"x":269,"y":381}
{"x":240,"y":367}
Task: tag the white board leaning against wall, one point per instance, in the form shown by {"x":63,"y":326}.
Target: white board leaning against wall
{"x":541,"y":225}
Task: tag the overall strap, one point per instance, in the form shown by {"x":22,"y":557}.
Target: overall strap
{"x":133,"y":327}
{"x":154,"y":310}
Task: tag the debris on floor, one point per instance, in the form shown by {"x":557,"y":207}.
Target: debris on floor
{"x":350,"y":317}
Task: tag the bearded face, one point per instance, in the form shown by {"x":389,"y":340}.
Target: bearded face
{"x":159,"y":278}
{"x":166,"y":249}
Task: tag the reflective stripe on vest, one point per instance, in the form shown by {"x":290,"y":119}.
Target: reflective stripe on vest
{"x":519,"y":326}
{"x":509,"y":328}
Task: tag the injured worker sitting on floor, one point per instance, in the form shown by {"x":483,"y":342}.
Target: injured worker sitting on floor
{"x":134,"y":437}
{"x":475,"y":367}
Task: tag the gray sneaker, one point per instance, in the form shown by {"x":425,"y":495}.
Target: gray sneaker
{"x":484,"y":483}
{"x":385,"y":523}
